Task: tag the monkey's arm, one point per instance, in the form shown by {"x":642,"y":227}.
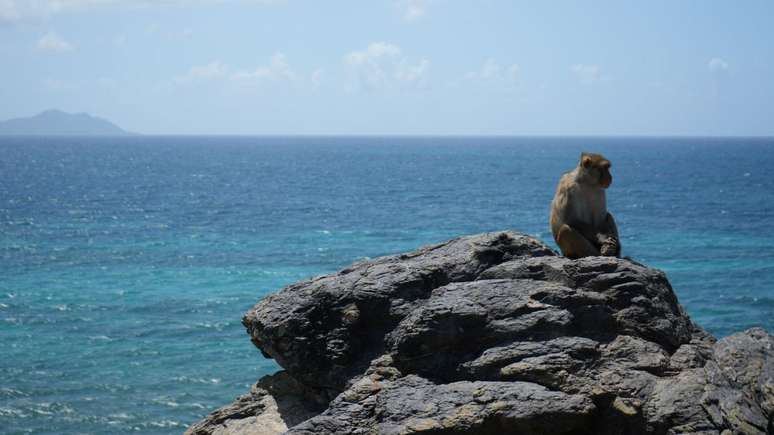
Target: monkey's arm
{"x":612,"y":228}
{"x":610,"y":244}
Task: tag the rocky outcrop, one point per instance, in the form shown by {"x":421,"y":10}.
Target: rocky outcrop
{"x":495,"y":334}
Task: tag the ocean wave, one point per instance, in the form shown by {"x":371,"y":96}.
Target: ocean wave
{"x":190,"y":380}
{"x":13,"y":412}
{"x":166,"y":401}
{"x":219,"y":326}
{"x":166,"y":423}
{"x":10,"y":392}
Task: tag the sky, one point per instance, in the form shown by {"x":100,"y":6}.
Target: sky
{"x":403,"y":67}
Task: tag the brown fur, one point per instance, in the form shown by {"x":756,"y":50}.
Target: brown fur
{"x":580,"y":222}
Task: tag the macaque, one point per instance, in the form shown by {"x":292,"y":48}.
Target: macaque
{"x":581,"y":225}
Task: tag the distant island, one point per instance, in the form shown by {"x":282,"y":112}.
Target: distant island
{"x":57,"y":122}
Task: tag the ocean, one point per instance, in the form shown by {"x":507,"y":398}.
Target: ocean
{"x":127,"y":263}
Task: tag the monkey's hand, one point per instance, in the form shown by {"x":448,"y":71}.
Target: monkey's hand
{"x":609,"y":247}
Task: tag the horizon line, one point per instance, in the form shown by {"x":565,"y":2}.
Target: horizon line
{"x":404,"y":135}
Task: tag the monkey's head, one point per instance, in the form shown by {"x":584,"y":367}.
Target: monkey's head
{"x":595,"y":169}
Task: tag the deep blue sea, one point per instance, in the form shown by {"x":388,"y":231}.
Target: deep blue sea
{"x":127,"y":263}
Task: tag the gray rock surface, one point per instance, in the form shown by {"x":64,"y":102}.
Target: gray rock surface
{"x":496,"y":334}
{"x":275,"y":403}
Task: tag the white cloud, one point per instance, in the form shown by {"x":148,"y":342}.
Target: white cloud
{"x":491,"y":72}
{"x":374,"y":52}
{"x":8,"y":11}
{"x":717,"y":64}
{"x":213,"y":70}
{"x":15,"y":10}
{"x":416,"y":74}
{"x":278,"y":69}
{"x":490,"y":69}
{"x":381,"y":65}
{"x":55,"y":6}
{"x":414,"y":9}
{"x":368,"y":66}
{"x":317,"y":76}
{"x":587,"y":74}
{"x":53,"y":42}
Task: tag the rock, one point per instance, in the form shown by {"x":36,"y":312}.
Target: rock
{"x":413,"y":404}
{"x":496,"y":334}
{"x":741,"y":382}
{"x":274,"y":403}
{"x":339,"y":321}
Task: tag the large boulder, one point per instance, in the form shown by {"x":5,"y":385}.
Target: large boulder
{"x":493,"y":334}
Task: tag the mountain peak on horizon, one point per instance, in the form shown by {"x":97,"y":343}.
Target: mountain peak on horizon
{"x":58,"y":122}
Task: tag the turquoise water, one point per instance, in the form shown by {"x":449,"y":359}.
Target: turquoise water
{"x":126,"y":263}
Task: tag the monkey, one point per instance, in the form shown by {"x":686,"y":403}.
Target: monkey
{"x":580,"y":222}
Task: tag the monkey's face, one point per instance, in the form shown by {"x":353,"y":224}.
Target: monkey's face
{"x":596,"y":169}
{"x":605,"y":179}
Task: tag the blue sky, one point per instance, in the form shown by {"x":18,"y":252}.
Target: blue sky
{"x":394,"y":66}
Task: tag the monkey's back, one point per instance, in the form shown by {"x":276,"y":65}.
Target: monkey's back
{"x":560,"y":203}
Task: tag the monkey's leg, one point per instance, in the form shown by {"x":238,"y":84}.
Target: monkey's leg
{"x":573,"y":244}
